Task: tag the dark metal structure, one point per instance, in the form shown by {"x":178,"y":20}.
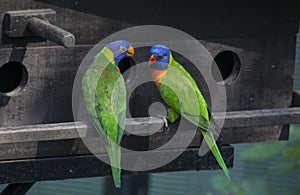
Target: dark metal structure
{"x":253,"y":45}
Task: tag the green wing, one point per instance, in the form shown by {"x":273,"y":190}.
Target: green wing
{"x":180,"y":91}
{"x":104,"y":94}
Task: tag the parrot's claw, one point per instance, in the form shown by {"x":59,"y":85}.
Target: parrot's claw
{"x":166,"y":125}
{"x":165,"y":120}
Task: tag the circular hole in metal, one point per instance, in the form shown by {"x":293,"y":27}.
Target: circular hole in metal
{"x":227,"y":63}
{"x":13,"y":78}
{"x":125,"y":65}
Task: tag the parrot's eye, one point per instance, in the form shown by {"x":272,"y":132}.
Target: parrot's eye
{"x":122,"y":49}
{"x":161,"y":57}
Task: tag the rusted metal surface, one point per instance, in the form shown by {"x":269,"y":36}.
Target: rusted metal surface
{"x":47,"y":97}
{"x":65,"y":138}
{"x":72,"y":130}
{"x":51,"y":80}
{"x":15,"y":22}
{"x":38,"y":22}
{"x":252,"y":118}
{"x":48,"y":31}
{"x":145,"y":126}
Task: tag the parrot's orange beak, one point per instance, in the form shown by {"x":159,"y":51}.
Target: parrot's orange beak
{"x":130,"y":52}
{"x":152,"y":59}
{"x":118,"y":69}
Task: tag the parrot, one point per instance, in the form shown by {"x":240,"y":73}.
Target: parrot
{"x":104,"y":95}
{"x":180,"y":92}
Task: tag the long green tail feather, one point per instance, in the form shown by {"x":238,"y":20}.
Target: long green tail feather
{"x":209,"y":138}
{"x":114,"y":155}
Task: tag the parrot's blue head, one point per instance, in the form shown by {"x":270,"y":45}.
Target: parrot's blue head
{"x":121,"y":49}
{"x":160,"y":57}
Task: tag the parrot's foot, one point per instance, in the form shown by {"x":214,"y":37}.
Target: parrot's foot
{"x":164,"y":118}
{"x":166,"y":125}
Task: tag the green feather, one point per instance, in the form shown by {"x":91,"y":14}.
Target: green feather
{"x":114,"y":154}
{"x":180,"y":91}
{"x":104,"y":94}
{"x":209,"y":139}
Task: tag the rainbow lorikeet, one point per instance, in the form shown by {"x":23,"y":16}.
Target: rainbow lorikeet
{"x":104,"y":94}
{"x":181,"y":93}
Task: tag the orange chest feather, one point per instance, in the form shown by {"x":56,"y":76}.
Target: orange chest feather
{"x":157,"y":76}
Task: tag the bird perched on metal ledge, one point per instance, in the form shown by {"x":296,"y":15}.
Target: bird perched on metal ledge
{"x":181,"y":93}
{"x":104,"y":93}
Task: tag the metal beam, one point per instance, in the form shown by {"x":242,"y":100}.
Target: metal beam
{"x":36,"y":22}
{"x":71,"y":130}
{"x":49,"y":31}
{"x":251,"y":118}
{"x":138,"y":126}
{"x":57,"y":168}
